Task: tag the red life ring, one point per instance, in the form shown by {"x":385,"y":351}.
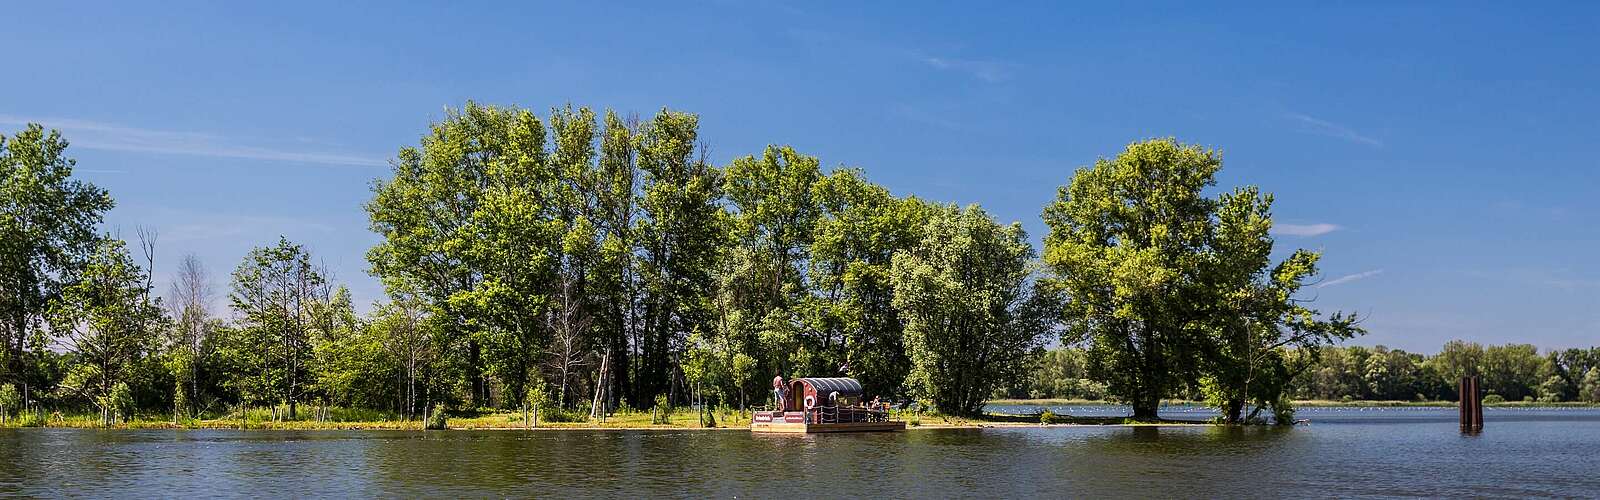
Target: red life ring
{"x":811,"y":401}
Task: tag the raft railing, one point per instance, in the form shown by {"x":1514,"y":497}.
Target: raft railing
{"x":847,"y":414}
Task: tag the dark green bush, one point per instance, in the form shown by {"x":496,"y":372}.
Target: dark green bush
{"x":436,"y":419}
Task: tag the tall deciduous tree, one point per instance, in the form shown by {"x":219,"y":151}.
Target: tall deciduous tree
{"x":189,"y":302}
{"x":973,"y":317}
{"x":681,"y":235}
{"x":47,"y":236}
{"x":1255,"y":313}
{"x":107,"y":320}
{"x":614,"y":281}
{"x":427,"y":215}
{"x":277,"y":294}
{"x":861,"y":227}
{"x":1126,"y":243}
{"x":408,"y":337}
{"x":762,"y":283}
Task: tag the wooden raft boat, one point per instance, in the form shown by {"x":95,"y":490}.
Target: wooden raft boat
{"x":813,"y":405}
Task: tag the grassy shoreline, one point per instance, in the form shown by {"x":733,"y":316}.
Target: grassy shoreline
{"x":505,"y":421}
{"x":687,"y":420}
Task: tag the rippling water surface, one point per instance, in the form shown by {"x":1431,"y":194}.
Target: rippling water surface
{"x":1343,"y":452}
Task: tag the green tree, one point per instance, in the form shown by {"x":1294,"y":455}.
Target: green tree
{"x":513,"y":245}
{"x":1127,"y":243}
{"x":613,"y":284}
{"x":1511,"y":370}
{"x":428,"y":216}
{"x":1256,"y":315}
{"x":410,"y":340}
{"x":1571,"y":365}
{"x":47,"y":236}
{"x":763,"y":286}
{"x":350,"y":365}
{"x":973,"y":318}
{"x":118,"y":403}
{"x":1060,"y":373}
{"x":1455,"y":360}
{"x":681,"y":234}
{"x":1554,"y":389}
{"x":1392,"y":374}
{"x":1589,"y":388}
{"x":861,"y":227}
{"x":108,"y":322}
{"x":277,"y":294}
{"x":189,"y":304}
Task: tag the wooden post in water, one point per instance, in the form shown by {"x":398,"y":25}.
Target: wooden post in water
{"x":1471,"y":405}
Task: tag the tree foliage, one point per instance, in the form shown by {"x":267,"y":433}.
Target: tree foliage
{"x":47,"y":236}
{"x":107,"y":320}
{"x":1169,"y":286}
{"x":973,"y":317}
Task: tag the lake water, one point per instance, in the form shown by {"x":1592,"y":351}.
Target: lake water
{"x":1343,"y":452}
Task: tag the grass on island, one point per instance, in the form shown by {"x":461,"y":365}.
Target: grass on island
{"x":341,"y":418}
{"x":350,"y":419}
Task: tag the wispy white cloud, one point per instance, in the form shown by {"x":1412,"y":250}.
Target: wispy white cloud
{"x":1304,"y":229}
{"x":112,"y":137}
{"x":987,"y":70}
{"x":1350,"y":277}
{"x":1324,"y":127}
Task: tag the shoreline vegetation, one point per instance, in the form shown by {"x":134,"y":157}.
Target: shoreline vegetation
{"x":582,"y":262}
{"x":685,"y":418}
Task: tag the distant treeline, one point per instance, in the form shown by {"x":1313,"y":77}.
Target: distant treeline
{"x":1511,"y":372}
{"x":587,"y":261}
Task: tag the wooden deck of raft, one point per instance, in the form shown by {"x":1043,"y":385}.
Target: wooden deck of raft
{"x":804,"y":428}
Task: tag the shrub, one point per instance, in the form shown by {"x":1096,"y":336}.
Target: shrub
{"x":662,"y":413}
{"x":436,"y":419}
{"x":1048,"y":417}
{"x":9,"y":400}
{"x":119,"y":402}
{"x":1493,"y":399}
{"x":1283,"y":411}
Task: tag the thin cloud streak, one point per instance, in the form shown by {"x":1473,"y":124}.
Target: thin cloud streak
{"x":1304,"y":229}
{"x":112,"y":137}
{"x":988,"y":71}
{"x":1351,"y":277}
{"x":1331,"y":129}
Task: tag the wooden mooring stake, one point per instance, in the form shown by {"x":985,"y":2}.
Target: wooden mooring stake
{"x":1471,"y":405}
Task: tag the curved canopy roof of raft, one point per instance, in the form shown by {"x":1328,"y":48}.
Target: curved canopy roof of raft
{"x":845,"y":386}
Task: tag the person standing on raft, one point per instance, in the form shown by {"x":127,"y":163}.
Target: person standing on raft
{"x":777,"y":392}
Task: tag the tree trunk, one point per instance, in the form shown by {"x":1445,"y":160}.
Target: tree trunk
{"x":1145,"y":408}
{"x":1233,"y":411}
{"x":474,"y":370}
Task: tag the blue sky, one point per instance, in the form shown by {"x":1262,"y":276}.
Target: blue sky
{"x":1443,"y":156}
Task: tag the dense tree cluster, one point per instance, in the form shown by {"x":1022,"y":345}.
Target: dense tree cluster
{"x":1515,"y":372}
{"x":590,"y":261}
